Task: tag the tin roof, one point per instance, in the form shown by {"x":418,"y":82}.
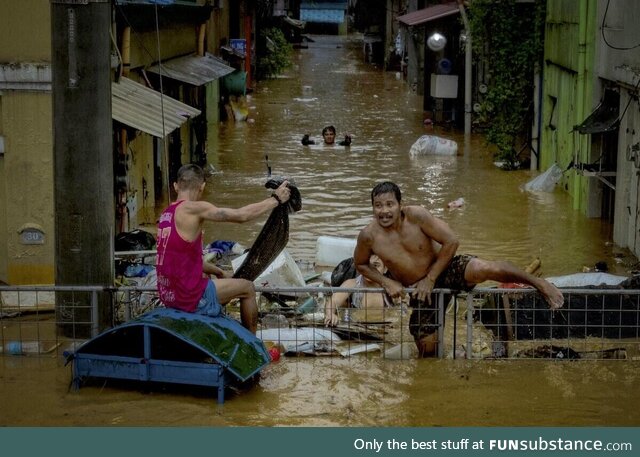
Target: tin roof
{"x":193,"y":69}
{"x":429,"y":14}
{"x":144,"y":109}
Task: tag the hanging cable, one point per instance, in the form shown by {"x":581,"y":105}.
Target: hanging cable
{"x":164,"y":152}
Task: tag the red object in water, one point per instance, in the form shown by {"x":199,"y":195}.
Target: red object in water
{"x":274,"y":353}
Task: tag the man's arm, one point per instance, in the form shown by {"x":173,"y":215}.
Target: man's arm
{"x":210,"y":212}
{"x":436,"y":230}
{"x":337,"y":300}
{"x":211,"y":269}
{"x":361,"y":257}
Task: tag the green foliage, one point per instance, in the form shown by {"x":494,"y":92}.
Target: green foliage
{"x":276,"y":55}
{"x":509,"y":38}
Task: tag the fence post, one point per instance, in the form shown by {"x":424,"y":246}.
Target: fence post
{"x":469,"y":325}
{"x":94,"y":314}
{"x":441,"y":326}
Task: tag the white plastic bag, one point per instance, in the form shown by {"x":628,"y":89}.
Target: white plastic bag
{"x":545,"y":182}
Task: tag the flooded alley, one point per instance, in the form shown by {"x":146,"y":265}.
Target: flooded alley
{"x":330,"y":84}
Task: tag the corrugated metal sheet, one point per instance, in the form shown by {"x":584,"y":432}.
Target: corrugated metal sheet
{"x":322,"y":15}
{"x":429,"y":14}
{"x":196,"y":70}
{"x":142,"y":108}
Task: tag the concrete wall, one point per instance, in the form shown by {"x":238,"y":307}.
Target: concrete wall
{"x":26,"y":172}
{"x":28,"y":185}
{"x":174,"y":41}
{"x":25,"y":31}
{"x":3,"y":213}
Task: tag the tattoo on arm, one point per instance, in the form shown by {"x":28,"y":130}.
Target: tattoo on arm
{"x":222,"y":214}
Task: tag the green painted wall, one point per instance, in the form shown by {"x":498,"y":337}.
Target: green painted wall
{"x":568,"y":92}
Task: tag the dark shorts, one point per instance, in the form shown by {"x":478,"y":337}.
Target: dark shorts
{"x":424,"y":317}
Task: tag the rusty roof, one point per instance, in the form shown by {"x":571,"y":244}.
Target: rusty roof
{"x":430,"y":13}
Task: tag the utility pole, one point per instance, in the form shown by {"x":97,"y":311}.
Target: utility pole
{"x":83,"y":162}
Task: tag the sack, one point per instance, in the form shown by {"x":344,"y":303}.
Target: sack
{"x":136,"y":240}
{"x":343,"y":271}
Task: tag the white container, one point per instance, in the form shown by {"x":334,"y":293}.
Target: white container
{"x":283,"y":272}
{"x":433,"y":145}
{"x":331,"y":250}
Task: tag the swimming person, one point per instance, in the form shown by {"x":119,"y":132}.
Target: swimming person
{"x":406,"y":238}
{"x":373,"y":302}
{"x":183,"y":276}
{"x":328,"y":137}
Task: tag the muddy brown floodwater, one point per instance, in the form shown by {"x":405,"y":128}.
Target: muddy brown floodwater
{"x":330,"y":84}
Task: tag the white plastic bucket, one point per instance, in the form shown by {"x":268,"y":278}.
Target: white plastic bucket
{"x":331,"y":250}
{"x":433,"y":145}
{"x":282,"y":272}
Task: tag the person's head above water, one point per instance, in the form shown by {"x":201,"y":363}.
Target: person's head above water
{"x":386,"y":187}
{"x":329,"y":134}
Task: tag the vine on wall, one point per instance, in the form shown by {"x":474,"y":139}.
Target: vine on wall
{"x":509,"y":37}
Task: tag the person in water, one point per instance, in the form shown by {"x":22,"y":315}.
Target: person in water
{"x":372,"y":302}
{"x":406,"y":238}
{"x":328,"y":137}
{"x":183,"y":276}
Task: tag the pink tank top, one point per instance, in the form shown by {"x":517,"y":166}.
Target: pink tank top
{"x":181,"y":281}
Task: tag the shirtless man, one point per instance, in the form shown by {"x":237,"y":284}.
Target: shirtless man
{"x":406,"y":238}
{"x":373,"y":303}
{"x":183,"y":277}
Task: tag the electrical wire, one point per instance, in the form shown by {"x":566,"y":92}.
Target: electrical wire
{"x":164,"y":152}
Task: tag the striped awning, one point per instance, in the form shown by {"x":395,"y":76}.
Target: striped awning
{"x":147,"y":110}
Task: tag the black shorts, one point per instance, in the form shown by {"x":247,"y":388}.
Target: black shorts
{"x":424,"y":317}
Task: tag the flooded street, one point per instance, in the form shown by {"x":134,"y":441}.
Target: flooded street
{"x":330,"y":84}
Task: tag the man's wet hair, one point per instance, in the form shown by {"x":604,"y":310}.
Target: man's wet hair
{"x":190,"y":176}
{"x":386,"y":187}
{"x":329,"y":128}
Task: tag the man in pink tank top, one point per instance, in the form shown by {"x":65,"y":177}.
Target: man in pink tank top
{"x":183,"y":276}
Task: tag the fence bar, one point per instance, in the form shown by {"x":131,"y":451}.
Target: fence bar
{"x":94,"y":314}
{"x":469,"y":325}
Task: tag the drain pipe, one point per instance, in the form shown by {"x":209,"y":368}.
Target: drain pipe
{"x":467,"y":70}
{"x":201,"y":37}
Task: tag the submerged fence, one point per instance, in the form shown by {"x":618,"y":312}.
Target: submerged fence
{"x":486,"y":323}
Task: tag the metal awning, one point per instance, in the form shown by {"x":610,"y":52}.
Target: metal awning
{"x":430,"y":13}
{"x":193,"y":69}
{"x":144,"y":109}
{"x":605,"y":117}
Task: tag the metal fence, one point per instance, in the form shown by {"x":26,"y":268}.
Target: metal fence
{"x":485,"y":323}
